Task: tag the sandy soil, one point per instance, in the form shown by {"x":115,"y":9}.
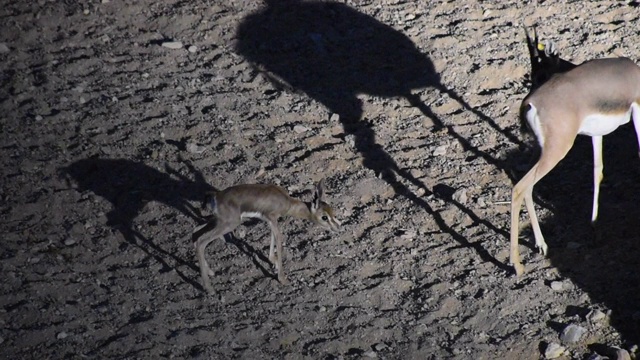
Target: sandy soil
{"x":407,"y":109}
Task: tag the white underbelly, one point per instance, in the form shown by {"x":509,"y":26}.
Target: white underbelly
{"x":603,"y":124}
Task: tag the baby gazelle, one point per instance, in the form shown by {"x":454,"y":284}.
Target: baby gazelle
{"x":265,"y":202}
{"x":592,"y":99}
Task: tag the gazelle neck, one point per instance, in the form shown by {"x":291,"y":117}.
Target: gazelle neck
{"x":299,"y":210}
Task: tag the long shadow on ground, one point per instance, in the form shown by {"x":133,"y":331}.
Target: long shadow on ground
{"x":333,"y":53}
{"x":128,"y":186}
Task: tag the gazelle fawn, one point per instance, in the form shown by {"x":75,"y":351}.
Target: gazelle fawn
{"x":593,"y":99}
{"x":264,"y":202}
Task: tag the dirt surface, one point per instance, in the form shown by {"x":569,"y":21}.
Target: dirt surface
{"x":407,"y":109}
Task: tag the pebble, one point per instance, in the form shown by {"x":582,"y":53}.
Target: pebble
{"x":440,"y":150}
{"x":553,"y":351}
{"x":4,"y":48}
{"x":38,"y":117}
{"x":595,"y":316}
{"x":572,"y":334}
{"x":69,"y":242}
{"x":192,"y":49}
{"x":172,"y":45}
{"x":299,"y":129}
{"x":557,"y":286}
{"x":379,"y":347}
{"x":61,"y":335}
{"x":334,"y":117}
{"x":460,"y":196}
{"x":370,"y":354}
{"x":195,"y":149}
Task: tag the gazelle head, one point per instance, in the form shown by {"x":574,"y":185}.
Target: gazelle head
{"x":545,"y":59}
{"x":321,"y":212}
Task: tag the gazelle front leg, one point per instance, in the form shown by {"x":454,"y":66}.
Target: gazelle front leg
{"x":277,"y":236}
{"x":597,"y":174}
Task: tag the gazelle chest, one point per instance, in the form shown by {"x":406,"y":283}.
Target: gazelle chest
{"x":603,"y":124}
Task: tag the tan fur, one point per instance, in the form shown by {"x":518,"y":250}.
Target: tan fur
{"x":604,"y":92}
{"x":265,"y":202}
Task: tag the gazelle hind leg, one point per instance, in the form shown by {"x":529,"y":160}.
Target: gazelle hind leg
{"x":272,"y":249}
{"x":217,"y":233}
{"x":537,"y":232}
{"x":517,"y":196}
{"x":597,"y":174}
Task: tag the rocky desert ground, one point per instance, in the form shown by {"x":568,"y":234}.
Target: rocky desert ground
{"x":118,"y":115}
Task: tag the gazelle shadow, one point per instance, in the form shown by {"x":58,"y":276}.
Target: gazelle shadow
{"x":128,"y":186}
{"x":333,"y":53}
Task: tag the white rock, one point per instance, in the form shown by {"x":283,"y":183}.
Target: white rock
{"x":553,"y":351}
{"x":334,"y":117}
{"x":195,"y":149}
{"x":460,"y":196}
{"x":4,"y":48}
{"x":69,"y":242}
{"x":61,"y":335}
{"x":557,"y":286}
{"x":172,"y":45}
{"x":440,"y":150}
{"x":192,"y":49}
{"x":572,"y":334}
{"x":595,"y":316}
{"x":299,"y":129}
{"x":38,"y":118}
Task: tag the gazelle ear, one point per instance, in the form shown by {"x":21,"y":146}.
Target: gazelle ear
{"x":318,"y":195}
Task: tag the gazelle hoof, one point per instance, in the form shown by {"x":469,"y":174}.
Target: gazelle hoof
{"x":283,"y":280}
{"x":519,"y":269}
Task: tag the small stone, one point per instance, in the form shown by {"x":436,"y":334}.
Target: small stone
{"x":106,"y":1}
{"x":299,"y":129}
{"x":440,"y":150}
{"x":370,"y":354}
{"x":69,"y":242}
{"x":553,"y":351}
{"x":572,"y":334}
{"x":82,"y":100}
{"x":557,"y":286}
{"x":61,"y":335}
{"x":172,"y":45}
{"x":195,"y":149}
{"x":595,"y":316}
{"x":460,"y":196}
{"x":38,"y":118}
{"x":86,"y":11}
{"x":379,"y":347}
{"x":192,"y":49}
{"x":334,"y":117}
{"x":481,"y":202}
{"x":4,"y":48}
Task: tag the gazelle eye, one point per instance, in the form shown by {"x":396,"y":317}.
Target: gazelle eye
{"x":325,"y":217}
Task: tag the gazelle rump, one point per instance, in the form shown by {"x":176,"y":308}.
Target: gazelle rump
{"x":593,"y":99}
{"x":265,"y":202}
